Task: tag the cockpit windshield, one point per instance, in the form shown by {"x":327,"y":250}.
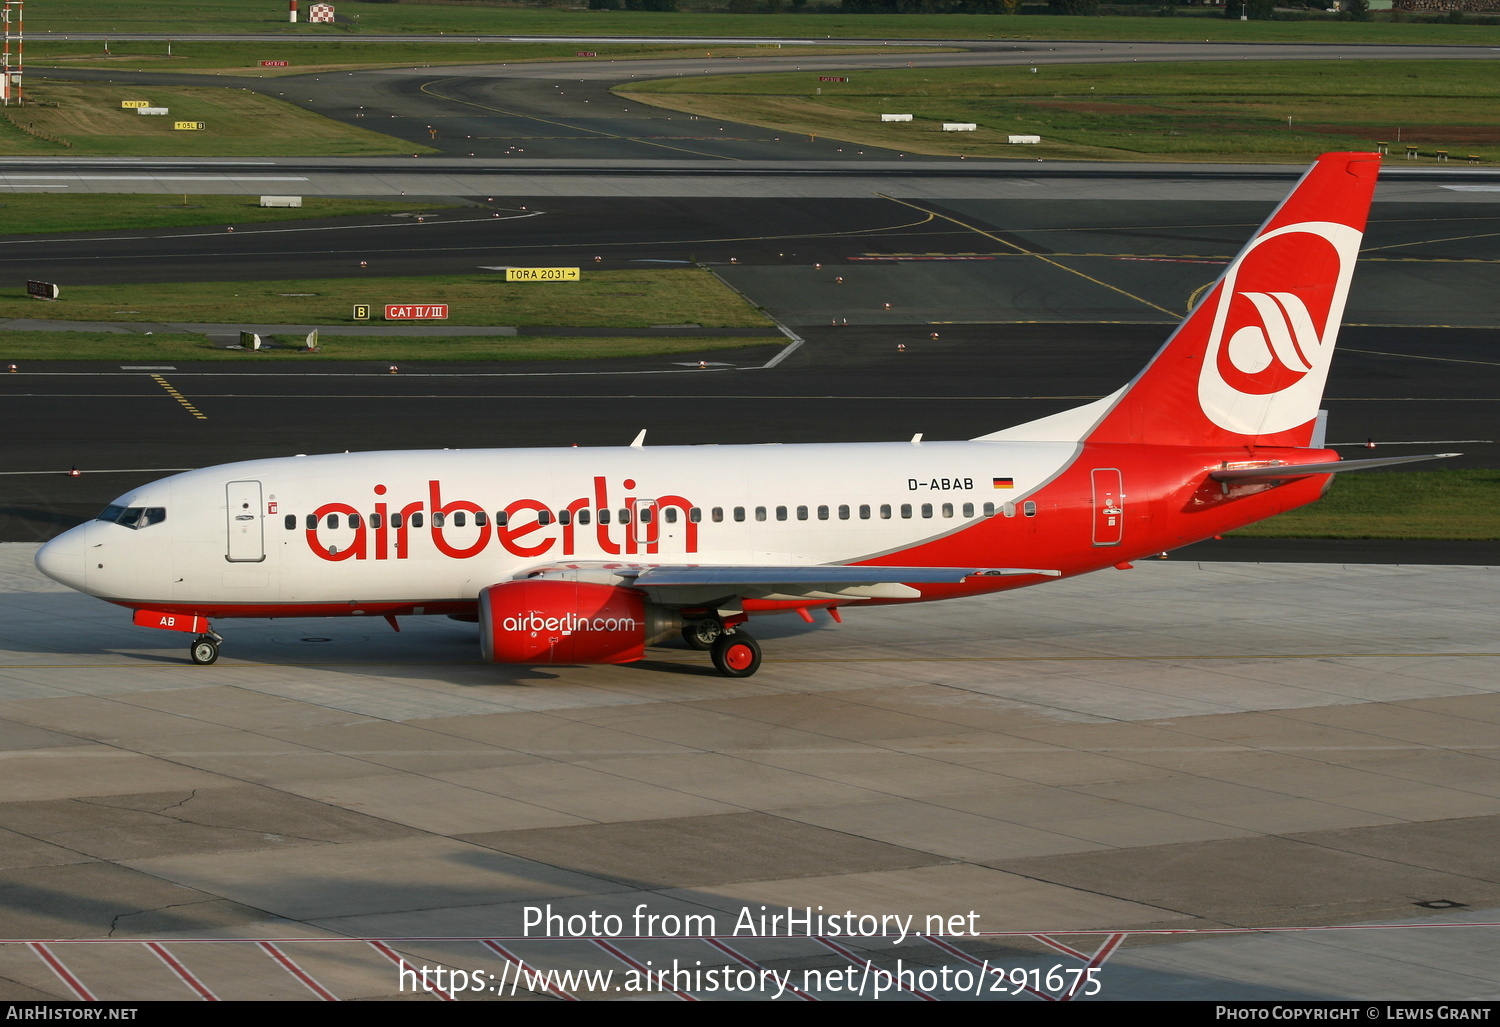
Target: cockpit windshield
{"x":134,"y":517}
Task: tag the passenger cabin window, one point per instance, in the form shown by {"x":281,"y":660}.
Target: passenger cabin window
{"x":395,"y":520}
{"x":565,"y":517}
{"x":544,"y":517}
{"x":905,"y":509}
{"x":864,"y":512}
{"x":885,"y":511}
{"x":333,"y":520}
{"x":375,"y":520}
{"x":291,"y":522}
{"x":603,"y":516}
{"x":1028,"y":508}
{"x":312,"y":523}
{"x":416,"y":519}
{"x":439,"y":519}
{"x":822,"y":513}
{"x":695,"y":515}
{"x":781,"y":513}
{"x":585,"y":517}
{"x":760,"y":513}
{"x":843,"y":513}
{"x":947,"y":509}
{"x":716,"y":514}
{"x":968,"y":509}
{"x":481,"y":518}
{"x":459,"y":518}
{"x":739,"y":513}
{"x":669,"y":514}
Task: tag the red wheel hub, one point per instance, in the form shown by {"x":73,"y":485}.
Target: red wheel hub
{"x":739,"y":656}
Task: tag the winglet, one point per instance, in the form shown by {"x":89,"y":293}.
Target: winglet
{"x":640,"y":440}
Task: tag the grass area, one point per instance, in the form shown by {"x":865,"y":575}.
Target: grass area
{"x":87,"y":120}
{"x":193,"y":56}
{"x":174,"y":17}
{"x":16,"y":347}
{"x":606,"y":299}
{"x":1460,"y":504}
{"x":34,"y":214}
{"x":1190,"y":111}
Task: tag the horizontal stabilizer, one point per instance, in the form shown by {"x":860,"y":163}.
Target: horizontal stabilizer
{"x":1281,"y":472}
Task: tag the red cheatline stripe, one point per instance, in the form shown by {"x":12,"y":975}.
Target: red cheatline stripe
{"x":181,"y":971}
{"x":297,"y":972}
{"x":857,"y":960}
{"x":644,"y":970}
{"x":520,"y":964}
{"x":63,"y":973}
{"x":744,"y":961}
{"x":401,"y":964}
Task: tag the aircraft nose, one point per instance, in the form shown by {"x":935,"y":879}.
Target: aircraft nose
{"x":62,"y":559}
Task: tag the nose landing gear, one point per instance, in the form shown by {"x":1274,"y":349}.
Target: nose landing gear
{"x":205,"y":649}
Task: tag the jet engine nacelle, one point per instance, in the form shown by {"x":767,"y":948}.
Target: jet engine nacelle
{"x":551,"y":621}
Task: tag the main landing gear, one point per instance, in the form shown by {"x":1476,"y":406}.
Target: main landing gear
{"x":734,"y":652}
{"x":702,"y":634}
{"x":205,"y":649}
{"x":736,"y":655}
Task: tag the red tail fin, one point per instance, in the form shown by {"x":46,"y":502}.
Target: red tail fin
{"x":1247,"y":366}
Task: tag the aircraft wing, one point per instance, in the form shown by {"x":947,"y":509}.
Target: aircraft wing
{"x":690,"y":585}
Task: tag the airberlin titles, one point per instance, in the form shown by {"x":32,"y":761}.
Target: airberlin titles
{"x":527,"y":528}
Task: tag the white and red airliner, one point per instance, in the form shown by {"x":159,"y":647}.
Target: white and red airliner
{"x":571,"y":556}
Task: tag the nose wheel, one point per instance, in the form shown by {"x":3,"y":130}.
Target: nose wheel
{"x":736,"y":655}
{"x":204,"y":650}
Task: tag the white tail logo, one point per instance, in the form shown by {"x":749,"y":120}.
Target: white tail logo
{"x":1268,"y":375}
{"x":1285,"y":336}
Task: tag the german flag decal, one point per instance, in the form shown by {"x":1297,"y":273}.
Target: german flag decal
{"x":1005,"y":483}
